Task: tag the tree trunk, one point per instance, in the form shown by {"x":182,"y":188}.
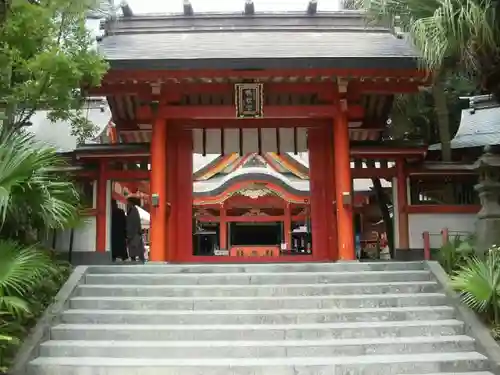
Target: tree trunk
{"x":443,"y":119}
{"x":4,"y":8}
{"x":383,"y":203}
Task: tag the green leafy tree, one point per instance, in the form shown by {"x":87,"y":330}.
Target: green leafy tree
{"x":452,"y":36}
{"x":46,"y":55}
{"x":414,"y":115}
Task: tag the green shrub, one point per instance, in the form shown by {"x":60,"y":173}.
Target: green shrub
{"x":478,"y":283}
{"x":452,"y":255}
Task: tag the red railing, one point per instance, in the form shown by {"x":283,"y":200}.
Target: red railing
{"x":426,"y":237}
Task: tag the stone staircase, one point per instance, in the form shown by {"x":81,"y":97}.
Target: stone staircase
{"x":259,"y":319}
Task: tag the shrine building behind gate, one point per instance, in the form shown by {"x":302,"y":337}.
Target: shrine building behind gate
{"x":305,"y":96}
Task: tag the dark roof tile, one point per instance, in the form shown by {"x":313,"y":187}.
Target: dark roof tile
{"x":256,"y":42}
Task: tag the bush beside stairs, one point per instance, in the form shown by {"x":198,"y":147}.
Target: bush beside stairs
{"x":259,"y":319}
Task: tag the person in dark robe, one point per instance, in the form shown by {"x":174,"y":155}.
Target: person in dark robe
{"x":135,"y":241}
{"x":118,"y":233}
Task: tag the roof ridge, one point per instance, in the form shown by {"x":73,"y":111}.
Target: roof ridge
{"x":241,"y":14}
{"x":274,"y":29}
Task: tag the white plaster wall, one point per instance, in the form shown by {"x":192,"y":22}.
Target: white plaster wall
{"x":434,"y":223}
{"x":83,"y":238}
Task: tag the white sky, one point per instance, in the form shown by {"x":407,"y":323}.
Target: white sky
{"x":176,"y":6}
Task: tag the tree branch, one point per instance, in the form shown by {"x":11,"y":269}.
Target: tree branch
{"x":34,"y":107}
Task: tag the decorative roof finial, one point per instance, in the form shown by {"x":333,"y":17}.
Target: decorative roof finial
{"x":126,"y":9}
{"x":188,"y":8}
{"x":312,"y":7}
{"x":249,"y":8}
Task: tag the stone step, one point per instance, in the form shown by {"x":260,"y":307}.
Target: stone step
{"x":104,"y":290}
{"x":300,"y":316}
{"x":152,"y":268}
{"x":261,"y":349}
{"x":266,"y":332}
{"x":259,"y":303}
{"x":356,"y":365}
{"x":287,"y":278}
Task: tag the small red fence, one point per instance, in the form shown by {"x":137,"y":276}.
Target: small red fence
{"x":445,"y":238}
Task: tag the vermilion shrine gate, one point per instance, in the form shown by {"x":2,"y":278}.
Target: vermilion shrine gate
{"x":270,"y":85}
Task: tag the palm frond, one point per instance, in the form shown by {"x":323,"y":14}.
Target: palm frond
{"x":29,"y":188}
{"x":478,"y":283}
{"x":21,"y":269}
{"x":441,"y":30}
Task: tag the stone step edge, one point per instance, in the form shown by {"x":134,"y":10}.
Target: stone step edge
{"x":259,"y":312}
{"x":259,"y":362}
{"x":260,"y":286}
{"x":460,"y":373}
{"x":270,"y":265}
{"x":250,"y":274}
{"x":266,"y":343}
{"x":259,"y":298}
{"x":228,"y":327}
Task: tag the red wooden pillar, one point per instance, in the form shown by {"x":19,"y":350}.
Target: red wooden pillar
{"x":402,"y":193}
{"x":184,"y":195}
{"x":343,"y":187}
{"x":223,"y":227}
{"x":158,"y":250}
{"x":330,"y":192}
{"x":172,"y":192}
{"x":288,"y":226}
{"x":319,"y":204}
{"x":101,"y":225}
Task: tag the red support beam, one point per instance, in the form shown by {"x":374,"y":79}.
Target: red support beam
{"x":386,"y":173}
{"x":119,"y":76}
{"x":445,"y":236}
{"x":248,"y":123}
{"x":158,"y":251}
{"x":131,"y":125}
{"x":357,"y":151}
{"x":426,"y":237}
{"x":227,"y":112}
{"x":174,"y":91}
{"x":343,"y":187}
{"x":127,"y":175}
{"x":246,"y":219}
{"x":287,"y":224}
{"x":126,"y":155}
{"x":265,"y":201}
{"x":223,"y":227}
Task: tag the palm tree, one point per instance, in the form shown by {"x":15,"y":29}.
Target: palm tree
{"x":450,"y":35}
{"x":478,"y":283}
{"x":33,"y":195}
